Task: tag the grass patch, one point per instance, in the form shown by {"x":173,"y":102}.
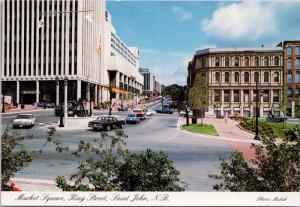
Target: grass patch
{"x":267,"y":128}
{"x":208,"y":129}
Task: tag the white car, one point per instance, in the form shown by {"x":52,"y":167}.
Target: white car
{"x":150,"y":112}
{"x":182,"y":113}
{"x":24,"y":120}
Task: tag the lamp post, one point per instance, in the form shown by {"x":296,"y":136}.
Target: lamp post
{"x":110,"y":99}
{"x":3,"y":110}
{"x":256,"y":137}
{"x":66,"y":100}
{"x":90,"y":100}
{"x":61,"y":124}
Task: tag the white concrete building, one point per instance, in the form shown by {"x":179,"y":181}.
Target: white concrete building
{"x":120,"y":67}
{"x":149,"y":81}
{"x":47,"y":41}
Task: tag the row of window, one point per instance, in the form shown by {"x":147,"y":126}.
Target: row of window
{"x":266,"y":77}
{"x":291,"y":63}
{"x":290,"y":77}
{"x":246,"y":96}
{"x":290,"y":51}
{"x":292,"y":92}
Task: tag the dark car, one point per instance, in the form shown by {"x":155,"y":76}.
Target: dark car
{"x":165,"y":111}
{"x":123,"y":109}
{"x":41,"y":104}
{"x":274,"y":118}
{"x":60,"y":108}
{"x":106,"y":123}
{"x":132,"y":118}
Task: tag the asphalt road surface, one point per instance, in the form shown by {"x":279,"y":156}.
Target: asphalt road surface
{"x":193,"y":155}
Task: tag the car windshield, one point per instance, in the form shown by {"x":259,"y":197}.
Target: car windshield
{"x":24,"y":116}
{"x":131,"y":115}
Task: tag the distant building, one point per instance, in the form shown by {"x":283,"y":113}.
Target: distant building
{"x":149,"y":81}
{"x":157,"y":89}
{"x":232,"y":74}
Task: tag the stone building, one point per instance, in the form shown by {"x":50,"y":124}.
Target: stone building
{"x":232,"y":74}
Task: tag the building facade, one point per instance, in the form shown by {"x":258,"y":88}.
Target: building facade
{"x":46,"y":42}
{"x":291,"y":67}
{"x":232,"y":74}
{"x":157,"y":89}
{"x":149,"y":81}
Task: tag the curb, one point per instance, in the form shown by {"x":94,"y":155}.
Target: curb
{"x":19,"y":112}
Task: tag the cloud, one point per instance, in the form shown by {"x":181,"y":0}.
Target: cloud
{"x":250,"y":18}
{"x":182,"y":14}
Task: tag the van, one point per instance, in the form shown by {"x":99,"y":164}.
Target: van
{"x":140,"y":113}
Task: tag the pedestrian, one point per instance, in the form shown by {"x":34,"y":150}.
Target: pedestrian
{"x":226,"y":116}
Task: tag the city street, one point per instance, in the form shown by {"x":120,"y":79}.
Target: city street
{"x":194,"y":156}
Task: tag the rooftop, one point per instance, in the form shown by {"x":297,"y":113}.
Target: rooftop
{"x":220,"y":50}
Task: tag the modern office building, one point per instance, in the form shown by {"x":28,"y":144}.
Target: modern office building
{"x":122,"y":66}
{"x":157,"y":88}
{"x":45,"y":42}
{"x":291,"y":68}
{"x":232,"y":74}
{"x":149,"y":81}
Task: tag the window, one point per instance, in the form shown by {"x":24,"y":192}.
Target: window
{"x":290,"y":63}
{"x":275,"y":95}
{"x":226,"y":77}
{"x":217,"y":96}
{"x":226,"y":96}
{"x":236,"y":96}
{"x":298,"y":51}
{"x":236,"y":61}
{"x":227,"y":61}
{"x":297,"y":63}
{"x":236,"y":77}
{"x":290,"y":78}
{"x":266,"y":77}
{"x":298,"y":77}
{"x":203,"y":63}
{"x":276,"y":77}
{"x":246,"y":77}
{"x":296,"y":91}
{"x":256,"y":61}
{"x":276,"y":61}
{"x":266,"y":61}
{"x":217,"y":63}
{"x":289,"y":91}
{"x":246,"y":62}
{"x":265,"y":96}
{"x":256,"y":77}
{"x":289,"y":51}
{"x":246,"y":96}
{"x":217,"y":77}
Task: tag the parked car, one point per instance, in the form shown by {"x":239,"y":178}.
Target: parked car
{"x":276,"y":118}
{"x":123,"y":109}
{"x":132,"y":118}
{"x":140,"y":113}
{"x":24,"y":120}
{"x":150,"y":112}
{"x":40,"y":104}
{"x":183,"y":113}
{"x":50,"y":105}
{"x":106,"y":123}
{"x":165,"y":111}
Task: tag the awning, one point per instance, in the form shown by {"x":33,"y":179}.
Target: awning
{"x":116,"y":90}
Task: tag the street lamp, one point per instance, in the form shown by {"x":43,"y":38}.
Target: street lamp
{"x":66,"y":100}
{"x":110,"y":98}
{"x":3,"y":110}
{"x":61,"y":124}
{"x":256,"y":137}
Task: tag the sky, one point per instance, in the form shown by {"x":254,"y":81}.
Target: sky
{"x":168,"y":33}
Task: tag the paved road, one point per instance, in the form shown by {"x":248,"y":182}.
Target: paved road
{"x":193,"y":155}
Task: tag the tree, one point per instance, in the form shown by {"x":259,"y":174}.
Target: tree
{"x":106,"y":166}
{"x":175,"y":91}
{"x":275,"y":167}
{"x":199,"y":95}
{"x":14,"y":156}
{"x":297,"y":108}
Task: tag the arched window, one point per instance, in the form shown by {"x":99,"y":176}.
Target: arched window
{"x":217,"y":77}
{"x":266,"y":77}
{"x":246,"y":77}
{"x":256,"y":77}
{"x":217,"y":62}
{"x":236,"y":61}
{"x":256,"y":61}
{"x":276,"y":61}
{"x":276,"y":77}
{"x":266,"y":61}
{"x":246,"y":61}
{"x":227,"y":61}
{"x":236,"y":77}
{"x":226,"y":77}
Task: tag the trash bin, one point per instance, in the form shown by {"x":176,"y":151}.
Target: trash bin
{"x":22,"y":106}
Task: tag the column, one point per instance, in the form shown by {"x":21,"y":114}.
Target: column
{"x":18,"y":92}
{"x":222,"y":102}
{"x":293,"y":109}
{"x":231,"y":101}
{"x":96,"y":95}
{"x":37,"y":98}
{"x":78,"y":89}
{"x":117,"y":85}
{"x":57,"y":93}
{"x":88,"y":97}
{"x":242,"y":102}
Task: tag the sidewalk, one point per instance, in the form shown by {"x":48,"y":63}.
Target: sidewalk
{"x":28,"y":108}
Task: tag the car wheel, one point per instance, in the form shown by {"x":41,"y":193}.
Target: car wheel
{"x":108,"y":128}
